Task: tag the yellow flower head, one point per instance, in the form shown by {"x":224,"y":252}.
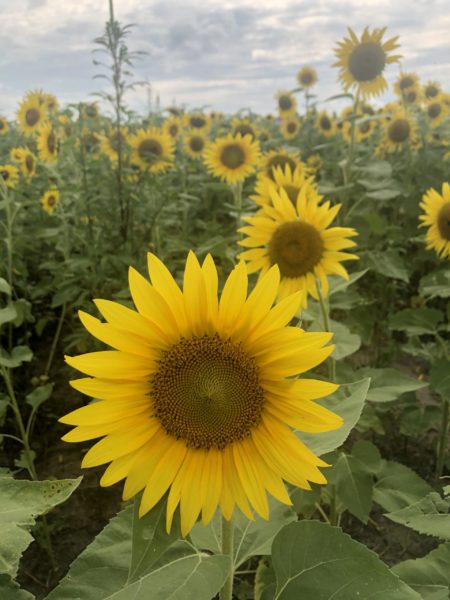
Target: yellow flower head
{"x":232,"y":158}
{"x":31,"y":115}
{"x":4,"y":127}
{"x":194,"y":144}
{"x":436,"y":217}
{"x":431,"y":90}
{"x":436,"y":111}
{"x":198,"y":122}
{"x":325,"y":124}
{"x":153,"y":150}
{"x":287,"y":104}
{"x":404,"y":82}
{"x":197,"y":397}
{"x":244,"y":127}
{"x":173,"y":126}
{"x":291,"y":180}
{"x":314,"y":163}
{"x":278,"y":158}
{"x":399,"y":131}
{"x":290,"y":128}
{"x":51,"y":103}
{"x":9,"y":175}
{"x":47,"y":143}
{"x":112,"y":141}
{"x":307,"y":77}
{"x":50,"y":201}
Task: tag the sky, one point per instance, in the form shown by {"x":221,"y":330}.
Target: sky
{"x":223,"y":55}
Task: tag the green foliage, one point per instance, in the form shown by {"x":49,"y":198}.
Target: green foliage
{"x":398,"y":486}
{"x":430,"y":575}
{"x":429,"y":515}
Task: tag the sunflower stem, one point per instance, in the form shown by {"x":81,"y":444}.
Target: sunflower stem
{"x":351,"y":148}
{"x":237,"y":195}
{"x":226,"y":593}
{"x":442,"y":442}
{"x":324,"y":309}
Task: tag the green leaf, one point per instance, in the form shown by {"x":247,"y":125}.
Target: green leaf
{"x":7,"y":314}
{"x":380,"y":169}
{"x":354,"y":485}
{"x":430,"y":575}
{"x":9,"y":590}
{"x":18,"y":355}
{"x":440,"y":377}
{"x":5,"y":288}
{"x":436,"y":284}
{"x":368,"y":454}
{"x":384,"y":194}
{"x":39,"y":395}
{"x":347,"y":402}
{"x":388,"y":384}
{"x":390,"y":264}
{"x":264,"y":577}
{"x":416,"y":321}
{"x":337,"y":284}
{"x":313,"y":560}
{"x":346,"y":342}
{"x":21,"y":501}
{"x":398,"y":486}
{"x":430,"y":515}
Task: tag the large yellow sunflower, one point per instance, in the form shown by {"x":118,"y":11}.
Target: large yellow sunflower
{"x":47,"y":143}
{"x":362,"y":61}
{"x":4,"y":127}
{"x":232,"y":158}
{"x":287,"y":104}
{"x":399,"y":131}
{"x":278,"y":158}
{"x":31,"y":115}
{"x":325,"y":124}
{"x":9,"y":175}
{"x":437,"y":218}
{"x":50,"y":201}
{"x":299,"y":240}
{"x":153,"y":150}
{"x":194,"y":144}
{"x":307,"y":77}
{"x":198,"y":396}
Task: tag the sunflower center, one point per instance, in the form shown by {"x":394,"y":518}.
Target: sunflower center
{"x":366,"y":61}
{"x":306,"y":78}
{"x":196,"y":143}
{"x":244,"y":129}
{"x":51,"y":200}
{"x":32,"y":116}
{"x":443,"y":221}
{"x":197,"y":122}
{"x":285,"y":103}
{"x":232,"y":156}
{"x":51,"y":142}
{"x":173,"y":130}
{"x":207,"y":392}
{"x":325,"y":123}
{"x":296,"y":248}
{"x":431,"y":91}
{"x":405,"y":83}
{"x":148,"y":150}
{"x":411,"y":96}
{"x":434,"y":110}
{"x":5,"y":175}
{"x":279,"y":161}
{"x":398,"y":130}
{"x":291,"y":127}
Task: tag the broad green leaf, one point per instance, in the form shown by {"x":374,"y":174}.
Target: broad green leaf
{"x":390,"y":264}
{"x":316,"y":561}
{"x":440,"y":378}
{"x":196,"y":577}
{"x":9,"y":590}
{"x":384,"y":194}
{"x":380,"y":169}
{"x":21,"y":501}
{"x":354,"y":486}
{"x":388,"y":384}
{"x":264,"y":577}
{"x":346,"y":342}
{"x":430,"y":515}
{"x":436,"y":284}
{"x":7,"y":314}
{"x":347,"y":402}
{"x":368,"y":454}
{"x":430,"y":575}
{"x":5,"y":288}
{"x":18,"y":355}
{"x":398,"y":487}
{"x":416,"y":321}
{"x":39,"y":395}
{"x":337,"y":284}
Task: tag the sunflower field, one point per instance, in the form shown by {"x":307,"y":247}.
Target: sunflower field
{"x":225,"y":341}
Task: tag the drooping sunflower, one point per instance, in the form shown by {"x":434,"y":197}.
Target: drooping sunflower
{"x":278,"y":158}
{"x":244,"y":127}
{"x":436,"y":112}
{"x":290,"y":128}
{"x":232,"y":158}
{"x":153,"y":150}
{"x":31,"y":115}
{"x":307,"y":77}
{"x":198,"y":122}
{"x":47,"y":143}
{"x":299,"y":240}
{"x":432,"y":89}
{"x":291,"y":180}
{"x":4,"y":127}
{"x":28,"y":164}
{"x":194,"y":144}
{"x":362,"y":61}
{"x":399,"y":131}
{"x":50,"y":201}
{"x":9,"y":175}
{"x":436,"y":207}
{"x":325,"y":124}
{"x":114,"y":139}
{"x":197,"y":398}
{"x":287,"y":104}
{"x":173,"y":126}
{"x":404,"y":82}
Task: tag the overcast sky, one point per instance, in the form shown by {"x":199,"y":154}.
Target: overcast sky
{"x":227,"y":54}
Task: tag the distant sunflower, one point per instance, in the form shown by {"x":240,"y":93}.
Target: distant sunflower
{"x":290,"y":128}
{"x":362,"y":61}
{"x":314,"y":163}
{"x":173,"y":127}
{"x":437,"y":218}
{"x":47,"y":143}
{"x":404,"y":82}
{"x":4,"y":127}
{"x":153,"y":150}
{"x":299,"y":240}
{"x":51,"y":103}
{"x":50,"y":201}
{"x":413,"y":95}
{"x":244,"y":127}
{"x":431,"y":90}
{"x":399,"y":131}
{"x":264,"y":135}
{"x":31,"y":115}
{"x":9,"y":175}
{"x":364,"y":127}
{"x":325,"y":124}
{"x":198,"y":398}
{"x":198,"y":122}
{"x":436,"y":112}
{"x":194,"y":144}
{"x":287,"y":104}
{"x":232,"y":158}
{"x":90,"y":110}
{"x":293,"y":181}
{"x":278,"y":158}
{"x":111,"y":142}
{"x":307,"y":77}
{"x":66,"y":125}
{"x":28,"y":164}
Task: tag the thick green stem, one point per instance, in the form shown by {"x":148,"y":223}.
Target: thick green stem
{"x":324,"y":308}
{"x":226,"y":592}
{"x":442,"y":442}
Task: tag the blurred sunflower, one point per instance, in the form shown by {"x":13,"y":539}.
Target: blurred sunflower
{"x":111,"y":142}
{"x":244,"y":127}
{"x":299,"y":240}
{"x":290,"y":128}
{"x":436,"y":112}
{"x":31,"y":115}
{"x":307,"y":77}
{"x":437,"y":218}
{"x":194,"y":144}
{"x":413,"y":95}
{"x":325,"y":124}
{"x":404,"y":82}
{"x":90,"y":110}
{"x":198,"y":122}
{"x":47,"y":143}
{"x":232,"y":158}
{"x":50,"y":103}
{"x":4,"y":127}
{"x":90,"y":142}
{"x":172,"y":126}
{"x":314,"y":163}
{"x":66,"y":125}
{"x":153,"y":150}
{"x":9,"y":175}
{"x":50,"y":201}
{"x":431,"y":90}
{"x":287,"y":104}
{"x":28,"y":164}
{"x":291,"y":180}
{"x":171,"y":413}
{"x":399,"y":131}
{"x":362,"y":61}
{"x":278,"y":158}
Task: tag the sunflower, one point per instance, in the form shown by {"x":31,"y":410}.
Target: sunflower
{"x":31,"y":115}
{"x":307,"y":77}
{"x":362,"y":61}
{"x":153,"y":150}
{"x":291,"y":180}
{"x":112,"y":141}
{"x":436,"y":112}
{"x":244,"y":127}
{"x":287,"y":104}
{"x":194,"y":144}
{"x":314,"y":163}
{"x":4,"y":127}
{"x":404,"y":82}
{"x":50,"y":201}
{"x":299,"y":240}
{"x":325,"y":124}
{"x":437,"y":218}
{"x":363,"y":128}
{"x":232,"y":158}
{"x":264,"y":135}
{"x":197,"y":398}
{"x":172,"y":126}
{"x":90,"y":110}
{"x":290,"y":128}
{"x":65,"y":124}
{"x":431,"y":90}
{"x":9,"y":175}
{"x":278,"y":158}
{"x":399,"y":131}
{"x":413,"y":95}
{"x":28,"y":163}
{"x":51,"y":103}
{"x":47,"y":143}
{"x":198,"y":122}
